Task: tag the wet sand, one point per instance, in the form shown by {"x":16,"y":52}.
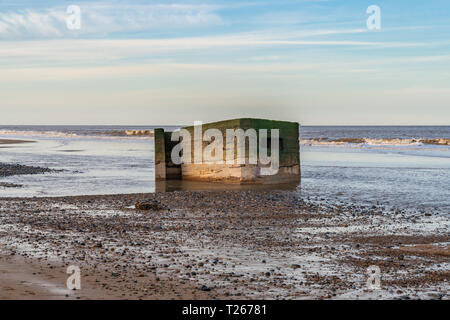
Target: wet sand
{"x":216,"y":245}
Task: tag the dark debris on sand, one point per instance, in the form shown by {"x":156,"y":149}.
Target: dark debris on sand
{"x":7,"y":170}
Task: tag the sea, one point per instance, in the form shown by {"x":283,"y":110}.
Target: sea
{"x":405,"y":167}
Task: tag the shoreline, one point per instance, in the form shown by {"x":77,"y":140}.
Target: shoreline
{"x":223,"y":245}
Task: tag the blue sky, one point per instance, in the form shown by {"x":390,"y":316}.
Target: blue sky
{"x":173,"y":62}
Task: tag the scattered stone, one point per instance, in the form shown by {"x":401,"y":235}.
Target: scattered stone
{"x":129,"y":256}
{"x":205,"y":288}
{"x":149,"y":205}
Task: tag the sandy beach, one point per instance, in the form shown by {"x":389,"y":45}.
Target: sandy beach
{"x":215,"y":245}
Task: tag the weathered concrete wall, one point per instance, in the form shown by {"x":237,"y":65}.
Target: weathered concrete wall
{"x":173,"y":171}
{"x":289,"y":155}
{"x":160,"y":155}
{"x":164,"y":167}
{"x":238,"y":173}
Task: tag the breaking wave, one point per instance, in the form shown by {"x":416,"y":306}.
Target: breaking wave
{"x":44,"y":134}
{"x":132,"y":133}
{"x":62,"y":134}
{"x":376,"y":142}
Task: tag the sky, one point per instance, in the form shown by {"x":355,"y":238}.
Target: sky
{"x":175,"y":62}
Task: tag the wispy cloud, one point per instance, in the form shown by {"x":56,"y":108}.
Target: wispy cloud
{"x":114,"y":50}
{"x":101,"y":19}
{"x":31,"y":23}
{"x":270,"y":67}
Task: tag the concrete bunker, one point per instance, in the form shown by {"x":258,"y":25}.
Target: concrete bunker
{"x":243,"y":170}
